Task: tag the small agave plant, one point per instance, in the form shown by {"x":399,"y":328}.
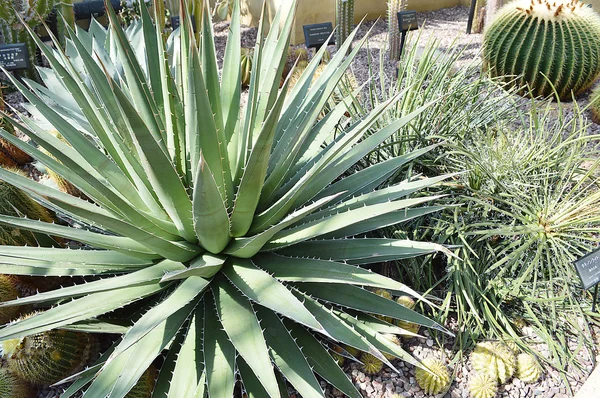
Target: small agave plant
{"x":236,"y":234}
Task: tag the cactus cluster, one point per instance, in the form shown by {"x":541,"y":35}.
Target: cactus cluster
{"x":483,"y":385}
{"x":344,"y":20}
{"x":436,"y":380}
{"x":545,"y":43}
{"x":495,"y":359}
{"x":50,"y":356}
{"x":394,"y":36}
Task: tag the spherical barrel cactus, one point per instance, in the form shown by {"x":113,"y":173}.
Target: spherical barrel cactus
{"x":435,"y":382}
{"x":8,"y":291}
{"x":371,"y":364}
{"x":495,"y":359}
{"x":483,"y":385}
{"x":528,"y":368}
{"x":12,"y":386}
{"x":49,"y":357}
{"x":544,"y":43}
{"x":145,"y":385}
{"x":246,"y":65}
{"x":409,"y":303}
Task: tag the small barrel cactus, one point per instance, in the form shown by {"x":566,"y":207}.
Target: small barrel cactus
{"x":495,"y":359}
{"x":436,"y":381}
{"x":409,"y":303}
{"x":344,"y":19}
{"x":145,"y":385}
{"x":528,"y":368}
{"x":12,"y":386}
{"x":394,"y":339}
{"x":483,"y":385}
{"x":8,"y":291}
{"x":352,"y":351}
{"x":545,"y":43}
{"x":371,"y":364}
{"x":246,"y":64}
{"x":49,"y":357}
{"x":595,"y":105}
{"x":385,"y":294}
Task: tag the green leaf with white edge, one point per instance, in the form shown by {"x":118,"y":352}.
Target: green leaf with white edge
{"x":363,"y":300}
{"x":294,"y":269}
{"x":320,"y":360}
{"x":219,"y":354}
{"x":367,"y":179}
{"x":339,"y":330}
{"x":363,"y":251}
{"x":205,"y":266}
{"x":265,"y":290}
{"x":248,"y":247}
{"x":119,"y":374}
{"x":241,"y":325}
{"x":117,"y":243}
{"x":78,"y":310}
{"x":255,"y":170}
{"x":183,"y":294}
{"x":337,"y":222}
{"x":189,"y":367}
{"x":97,"y":326}
{"x":211,"y":219}
{"x":150,"y":274}
{"x":287,"y":356}
{"x":379,"y":341}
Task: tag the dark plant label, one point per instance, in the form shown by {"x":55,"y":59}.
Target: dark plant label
{"x":588,"y":269}
{"x":407,"y":20}
{"x":315,"y":35}
{"x":14,"y":56}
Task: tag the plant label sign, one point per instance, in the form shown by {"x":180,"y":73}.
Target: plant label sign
{"x":317,"y":34}
{"x":407,"y":20}
{"x":588,"y":269}
{"x":14,"y":56}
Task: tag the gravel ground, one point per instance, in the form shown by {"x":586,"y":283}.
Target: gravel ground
{"x":448,"y":27}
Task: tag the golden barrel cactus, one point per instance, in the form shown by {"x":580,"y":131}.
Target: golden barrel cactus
{"x":545,"y":43}
{"x":483,"y":385}
{"x":436,"y":381}
{"x":528,"y":368}
{"x":495,"y":359}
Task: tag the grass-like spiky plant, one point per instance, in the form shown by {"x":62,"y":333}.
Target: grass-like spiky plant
{"x":436,"y":380}
{"x":483,"y":385}
{"x":495,"y":359}
{"x":236,"y":225}
{"x":50,"y":356}
{"x":394,"y":35}
{"x":12,"y":386}
{"x":546,"y":43}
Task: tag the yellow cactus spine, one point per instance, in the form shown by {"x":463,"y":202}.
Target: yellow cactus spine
{"x":483,"y":385}
{"x":528,"y":368}
{"x":436,"y":381}
{"x":495,"y":359}
{"x":557,"y":39}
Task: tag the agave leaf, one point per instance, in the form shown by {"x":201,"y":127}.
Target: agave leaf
{"x":363,"y":251}
{"x":211,"y":219}
{"x":230,"y":87}
{"x":150,"y":50}
{"x":119,"y":374}
{"x":183,"y":294}
{"x":81,"y":379}
{"x":339,"y":221}
{"x":241,"y":325}
{"x":251,"y":384}
{"x":219,"y":355}
{"x":96,"y":326}
{"x":205,"y":267}
{"x":210,"y":71}
{"x":188,"y":368}
{"x":366,"y":301}
{"x":287,"y":356}
{"x":248,"y":247}
{"x":320,"y":360}
{"x":379,"y":325}
{"x":80,"y":257}
{"x":143,"y":276}
{"x":265,"y":290}
{"x":78,"y":310}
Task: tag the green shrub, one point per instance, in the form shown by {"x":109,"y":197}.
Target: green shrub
{"x":235,"y":226}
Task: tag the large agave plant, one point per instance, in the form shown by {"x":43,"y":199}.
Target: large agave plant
{"x":234,"y":230}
